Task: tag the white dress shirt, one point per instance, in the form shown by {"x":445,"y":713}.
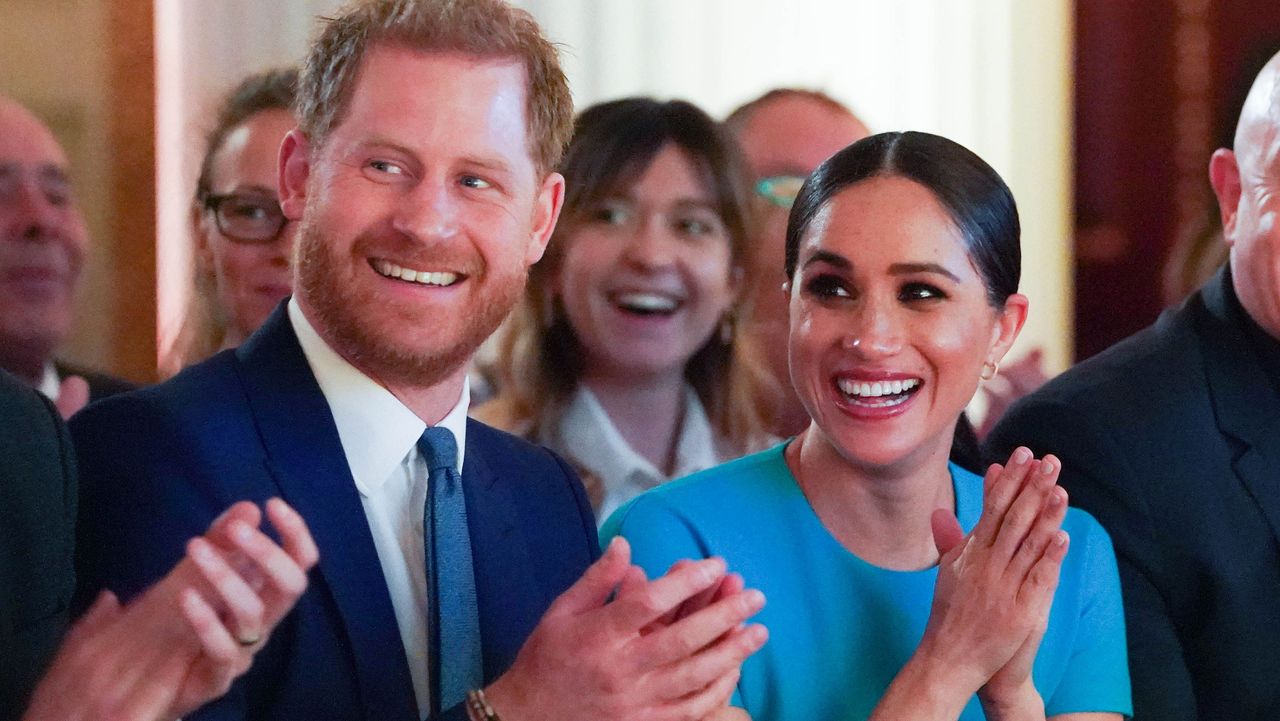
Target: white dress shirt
{"x":379,"y":437}
{"x":588,"y":438}
{"x":50,"y":383}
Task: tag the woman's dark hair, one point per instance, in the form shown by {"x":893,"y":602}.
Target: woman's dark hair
{"x":267,"y":90}
{"x":971,"y":192}
{"x":613,"y":144}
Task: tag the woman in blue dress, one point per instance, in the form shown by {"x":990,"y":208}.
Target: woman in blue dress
{"x":900,"y":585}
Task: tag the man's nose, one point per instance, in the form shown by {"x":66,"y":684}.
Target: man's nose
{"x":38,"y":217}
{"x":428,"y":212}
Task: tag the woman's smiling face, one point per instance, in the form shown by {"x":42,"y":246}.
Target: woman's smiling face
{"x":646,"y":277}
{"x":890,"y":323}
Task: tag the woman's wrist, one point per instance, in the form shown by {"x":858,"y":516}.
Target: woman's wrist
{"x":1021,"y":703}
{"x":926,"y":688}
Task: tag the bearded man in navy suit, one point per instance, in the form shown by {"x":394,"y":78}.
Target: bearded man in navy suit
{"x":422,"y":174}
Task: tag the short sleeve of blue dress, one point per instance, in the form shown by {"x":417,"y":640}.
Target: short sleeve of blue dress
{"x":841,"y":628}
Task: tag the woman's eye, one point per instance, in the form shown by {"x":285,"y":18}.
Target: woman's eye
{"x":920,"y":291}
{"x":249,"y":212}
{"x":476,"y":183}
{"x":611,"y":215}
{"x":696,"y":226}
{"x":827,"y":286}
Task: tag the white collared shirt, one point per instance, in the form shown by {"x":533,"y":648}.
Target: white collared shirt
{"x":379,"y":437}
{"x":588,"y":438}
{"x":50,"y":383}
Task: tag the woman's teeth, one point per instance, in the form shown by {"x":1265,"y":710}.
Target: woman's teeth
{"x":892,"y":391}
{"x":391,"y":270}
{"x":646,"y":302}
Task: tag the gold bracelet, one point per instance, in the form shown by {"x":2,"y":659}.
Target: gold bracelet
{"x":478,"y":708}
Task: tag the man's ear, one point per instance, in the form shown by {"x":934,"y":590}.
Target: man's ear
{"x":546,"y":211}
{"x":295,"y":170}
{"x":1224,"y":176}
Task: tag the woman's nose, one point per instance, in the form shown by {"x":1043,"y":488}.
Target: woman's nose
{"x":875,"y":331}
{"x":651,"y":246}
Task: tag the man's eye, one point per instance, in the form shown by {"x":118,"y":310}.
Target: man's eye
{"x":827,"y":286}
{"x":920,"y":291}
{"x":384,"y":166}
{"x":472,"y":181}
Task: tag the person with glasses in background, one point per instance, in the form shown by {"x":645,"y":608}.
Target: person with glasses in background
{"x":243,"y":241}
{"x":784,"y":135}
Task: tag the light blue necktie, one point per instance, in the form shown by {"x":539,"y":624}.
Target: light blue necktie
{"x":453,"y":631}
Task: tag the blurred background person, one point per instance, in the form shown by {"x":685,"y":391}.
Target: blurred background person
{"x":784,"y":134}
{"x":622,"y":357}
{"x":243,"y":242}
{"x":43,"y":242}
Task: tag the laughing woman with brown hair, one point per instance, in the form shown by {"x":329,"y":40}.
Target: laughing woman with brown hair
{"x":622,"y":357}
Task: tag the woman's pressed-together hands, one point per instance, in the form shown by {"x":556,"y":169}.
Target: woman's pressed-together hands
{"x":991,"y":605}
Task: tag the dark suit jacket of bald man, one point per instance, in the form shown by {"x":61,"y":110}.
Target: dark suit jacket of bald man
{"x":157,"y":465}
{"x":37,"y":533}
{"x":1172,"y":440}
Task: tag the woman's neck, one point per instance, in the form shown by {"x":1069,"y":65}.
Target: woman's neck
{"x":647,"y":413}
{"x":881,"y":515}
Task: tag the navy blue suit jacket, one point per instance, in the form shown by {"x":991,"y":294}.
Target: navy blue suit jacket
{"x":1172,"y":440}
{"x":159,"y":464}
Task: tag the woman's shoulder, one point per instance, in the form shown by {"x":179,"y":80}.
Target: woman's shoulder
{"x":718,"y":492}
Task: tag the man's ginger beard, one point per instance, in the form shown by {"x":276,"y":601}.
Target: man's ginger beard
{"x":341,"y":313}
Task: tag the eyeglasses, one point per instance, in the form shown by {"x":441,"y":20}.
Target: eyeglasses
{"x":781,"y":190}
{"x":246,"y":218}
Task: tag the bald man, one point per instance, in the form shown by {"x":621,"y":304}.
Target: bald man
{"x":1172,"y":439}
{"x":42,"y":247}
{"x":784,"y":134}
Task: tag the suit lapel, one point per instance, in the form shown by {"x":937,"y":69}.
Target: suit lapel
{"x":1244,"y":401}
{"x":304,"y":455}
{"x":508,"y":595}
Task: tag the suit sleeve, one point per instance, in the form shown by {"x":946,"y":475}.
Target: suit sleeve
{"x":1103,"y":478}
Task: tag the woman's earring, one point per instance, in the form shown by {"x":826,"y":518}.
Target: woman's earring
{"x":548,"y":311}
{"x":989,"y":370}
{"x":726,"y":329}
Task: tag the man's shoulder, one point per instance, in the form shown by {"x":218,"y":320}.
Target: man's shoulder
{"x":198,"y":397}
{"x":514,"y":458}
{"x":1158,"y":362}
{"x":21,"y":404}
{"x":496,"y":443}
{"x":101,"y":385}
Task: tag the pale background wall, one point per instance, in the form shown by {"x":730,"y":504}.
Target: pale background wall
{"x":992,"y":74}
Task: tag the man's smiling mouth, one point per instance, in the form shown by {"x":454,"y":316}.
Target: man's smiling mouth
{"x":388,"y":269}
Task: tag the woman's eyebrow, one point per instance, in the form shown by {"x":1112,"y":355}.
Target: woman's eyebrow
{"x":826,"y":256}
{"x":909,"y":268}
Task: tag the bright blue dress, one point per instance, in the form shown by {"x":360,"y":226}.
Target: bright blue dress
{"x":841,"y":628}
